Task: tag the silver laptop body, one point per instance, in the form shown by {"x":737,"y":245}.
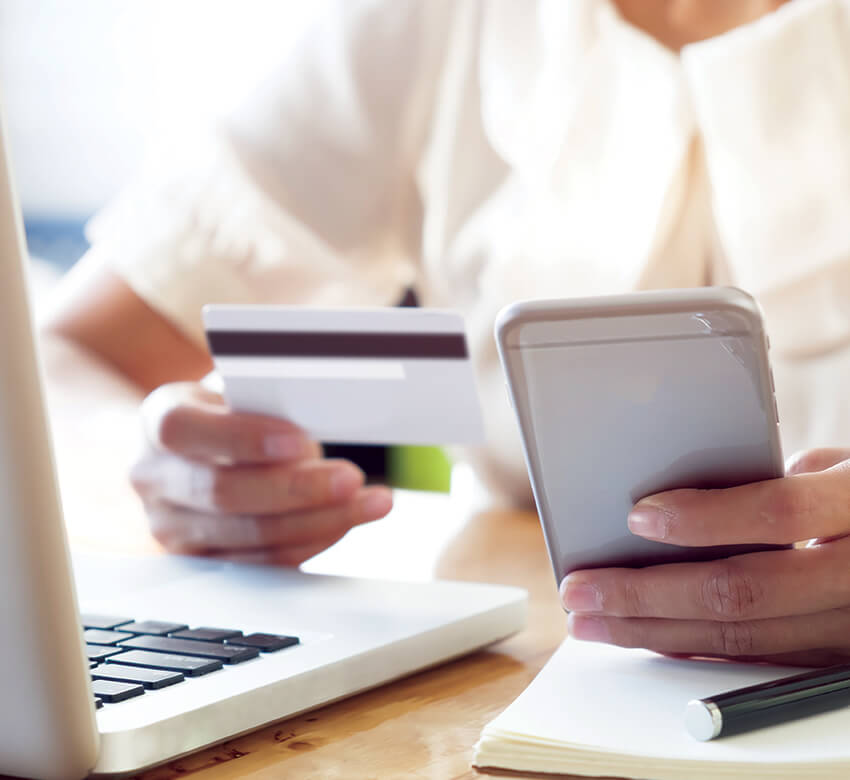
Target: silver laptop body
{"x":354,"y":634}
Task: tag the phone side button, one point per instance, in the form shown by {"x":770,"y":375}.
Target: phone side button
{"x":776,"y":410}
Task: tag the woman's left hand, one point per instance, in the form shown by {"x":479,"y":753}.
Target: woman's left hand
{"x":788,"y":606}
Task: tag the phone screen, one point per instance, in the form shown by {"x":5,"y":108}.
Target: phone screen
{"x":609,"y":422}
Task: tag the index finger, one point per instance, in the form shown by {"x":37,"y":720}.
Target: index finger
{"x":198,"y":425}
{"x":777,"y":511}
{"x":754,"y":586}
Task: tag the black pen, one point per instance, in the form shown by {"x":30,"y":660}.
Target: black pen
{"x":767,"y":704}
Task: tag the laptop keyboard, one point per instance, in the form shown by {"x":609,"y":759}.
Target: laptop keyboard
{"x":128,"y":657}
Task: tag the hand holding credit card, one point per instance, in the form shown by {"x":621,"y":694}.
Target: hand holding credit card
{"x":353,"y":376}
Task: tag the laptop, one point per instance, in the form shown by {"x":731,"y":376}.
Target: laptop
{"x":111,"y":665}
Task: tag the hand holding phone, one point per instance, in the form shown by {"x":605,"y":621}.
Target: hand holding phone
{"x":783,"y":604}
{"x":621,"y":397}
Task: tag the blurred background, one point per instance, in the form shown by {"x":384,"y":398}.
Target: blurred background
{"x":91,"y":87}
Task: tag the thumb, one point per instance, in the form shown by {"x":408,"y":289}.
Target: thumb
{"x":809,"y":461}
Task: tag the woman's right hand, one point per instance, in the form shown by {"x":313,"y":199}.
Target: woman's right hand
{"x":243,"y":486}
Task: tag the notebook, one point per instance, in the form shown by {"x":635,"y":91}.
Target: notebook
{"x":600,"y":710}
{"x":177,"y":653}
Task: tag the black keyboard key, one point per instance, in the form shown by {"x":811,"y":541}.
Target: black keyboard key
{"x":99,"y":652}
{"x":103,"y":622}
{"x":95,"y":636}
{"x":190,"y":666}
{"x":267,"y":643}
{"x":226,"y":653}
{"x":206,"y":634}
{"x":113,"y":692}
{"x":153,"y":627}
{"x":152,"y":679}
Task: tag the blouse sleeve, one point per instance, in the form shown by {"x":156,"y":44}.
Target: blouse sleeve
{"x":307,"y":192}
{"x":773,"y":103}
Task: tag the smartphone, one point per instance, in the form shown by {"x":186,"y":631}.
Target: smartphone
{"x":621,"y":397}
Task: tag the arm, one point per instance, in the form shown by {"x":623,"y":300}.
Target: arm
{"x":96,"y":310}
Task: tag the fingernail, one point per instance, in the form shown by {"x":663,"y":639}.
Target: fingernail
{"x":589,"y":629}
{"x":648,"y":521}
{"x":376,"y":504}
{"x":283,"y":445}
{"x":345,"y":481}
{"x":580,"y":596}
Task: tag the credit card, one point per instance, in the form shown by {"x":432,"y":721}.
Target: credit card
{"x":350,"y":376}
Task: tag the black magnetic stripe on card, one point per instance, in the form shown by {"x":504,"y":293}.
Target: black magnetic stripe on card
{"x":332,"y":344}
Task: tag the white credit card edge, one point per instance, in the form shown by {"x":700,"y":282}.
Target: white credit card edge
{"x":310,"y":368}
{"x":369,"y":411}
{"x":294,"y":318}
{"x":470,"y":433}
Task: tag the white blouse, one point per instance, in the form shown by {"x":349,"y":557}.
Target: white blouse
{"x":484,"y":151}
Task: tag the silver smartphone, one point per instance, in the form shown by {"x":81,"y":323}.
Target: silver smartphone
{"x":621,"y":397}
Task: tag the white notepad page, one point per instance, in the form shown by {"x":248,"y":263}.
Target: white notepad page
{"x":603,"y":710}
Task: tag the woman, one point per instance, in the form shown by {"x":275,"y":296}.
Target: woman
{"x":483,"y":151}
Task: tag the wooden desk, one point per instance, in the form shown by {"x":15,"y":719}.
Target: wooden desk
{"x":423,"y":726}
